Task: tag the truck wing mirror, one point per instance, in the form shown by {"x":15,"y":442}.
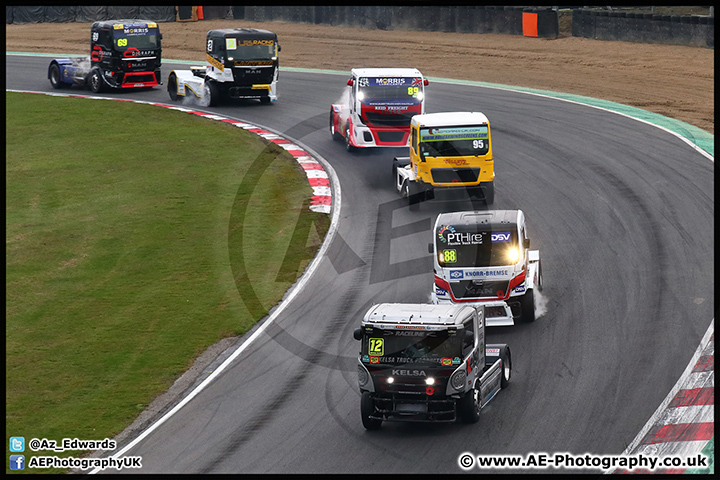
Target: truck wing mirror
{"x":430,"y":248}
{"x":279,"y":48}
{"x":426,"y":82}
{"x":350,"y":82}
{"x":357,"y":334}
{"x":526,"y":243}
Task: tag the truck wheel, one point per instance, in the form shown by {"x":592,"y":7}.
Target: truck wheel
{"x":96,"y":82}
{"x":367,"y":408}
{"x":210,"y":93}
{"x":264,"y":100}
{"x":413,"y":196}
{"x":336,"y":136}
{"x":172,"y":87}
{"x":540,"y":277}
{"x":489,"y":193}
{"x":469,"y":407}
{"x":506,"y":363}
{"x":55,"y":77}
{"x":527,"y":306}
{"x":348,"y":147}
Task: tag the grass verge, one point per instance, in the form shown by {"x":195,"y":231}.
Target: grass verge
{"x":127,"y":254}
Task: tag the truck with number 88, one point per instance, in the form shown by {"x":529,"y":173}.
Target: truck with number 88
{"x":484,"y":257}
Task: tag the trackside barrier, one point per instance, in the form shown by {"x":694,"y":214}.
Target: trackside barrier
{"x":691,"y":30}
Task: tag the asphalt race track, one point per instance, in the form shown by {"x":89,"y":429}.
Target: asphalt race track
{"x":622,"y":213}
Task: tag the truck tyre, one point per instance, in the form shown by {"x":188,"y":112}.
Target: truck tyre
{"x":264,"y":100}
{"x":210,"y":93}
{"x":539,"y":285}
{"x":527,"y":306}
{"x":348,"y":147}
{"x":506,"y":364}
{"x":172,"y":87}
{"x":97,"y":84}
{"x":367,"y":408}
{"x":489,"y":193}
{"x":411,"y":193}
{"x":336,"y":136}
{"x":55,"y":77}
{"x":469,"y":407}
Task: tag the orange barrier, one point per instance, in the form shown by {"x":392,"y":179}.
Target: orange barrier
{"x":530,"y":24}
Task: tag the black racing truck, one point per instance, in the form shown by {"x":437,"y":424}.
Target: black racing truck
{"x":123,"y":54}
{"x":427,"y":363}
{"x":239,"y":63}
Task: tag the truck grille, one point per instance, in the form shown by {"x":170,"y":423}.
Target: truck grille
{"x":388,"y":120}
{"x":243,"y":76}
{"x":451,"y":175}
{"x":390,"y":136}
{"x":467,"y":289}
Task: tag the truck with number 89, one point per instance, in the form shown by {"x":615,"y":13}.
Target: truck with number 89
{"x":377,"y":106}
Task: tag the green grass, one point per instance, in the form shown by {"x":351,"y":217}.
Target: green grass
{"x":136,"y":237}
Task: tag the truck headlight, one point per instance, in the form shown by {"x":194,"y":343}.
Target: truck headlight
{"x":363,"y":376}
{"x":457,"y":380}
{"x":513,"y":255}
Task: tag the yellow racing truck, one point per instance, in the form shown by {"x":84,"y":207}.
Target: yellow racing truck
{"x":448,"y":150}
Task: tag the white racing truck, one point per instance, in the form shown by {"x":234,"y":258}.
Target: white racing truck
{"x":377,"y":107}
{"x":240,"y":63}
{"x":427,"y":363}
{"x":484,"y":257}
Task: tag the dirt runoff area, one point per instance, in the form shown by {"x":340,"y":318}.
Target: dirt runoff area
{"x":675,"y":81}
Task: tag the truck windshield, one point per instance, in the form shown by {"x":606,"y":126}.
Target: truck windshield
{"x":249,"y":49}
{"x":406,"y":90}
{"x":473,"y":247}
{"x":142,"y":38}
{"x":413,"y":346}
{"x":454,"y":141}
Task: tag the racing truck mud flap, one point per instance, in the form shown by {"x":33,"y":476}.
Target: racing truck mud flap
{"x":489,"y":383}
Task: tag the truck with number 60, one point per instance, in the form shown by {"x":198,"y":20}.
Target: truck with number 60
{"x":123,"y":54}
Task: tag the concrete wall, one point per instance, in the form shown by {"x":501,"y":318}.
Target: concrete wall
{"x":692,"y":30}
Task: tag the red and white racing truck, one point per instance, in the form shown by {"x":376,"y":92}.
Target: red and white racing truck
{"x":377,"y":107}
{"x":484,"y":257}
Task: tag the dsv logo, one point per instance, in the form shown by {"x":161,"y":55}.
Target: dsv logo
{"x":500,"y":237}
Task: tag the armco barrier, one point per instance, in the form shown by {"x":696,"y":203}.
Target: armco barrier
{"x":690,"y":30}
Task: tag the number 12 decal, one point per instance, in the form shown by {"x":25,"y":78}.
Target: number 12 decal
{"x":376,"y":347}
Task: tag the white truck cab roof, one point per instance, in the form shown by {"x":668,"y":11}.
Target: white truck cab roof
{"x":385,"y":72}
{"x":418,"y":314}
{"x":449,"y":119}
{"x":490,"y":217}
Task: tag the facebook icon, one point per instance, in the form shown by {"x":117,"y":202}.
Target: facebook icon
{"x":17,"y":462}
